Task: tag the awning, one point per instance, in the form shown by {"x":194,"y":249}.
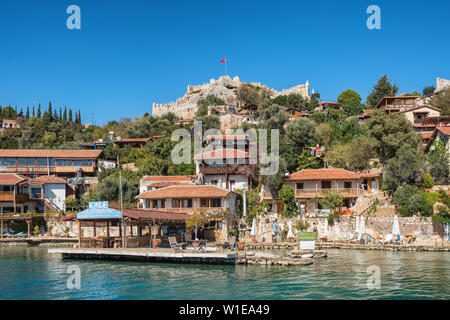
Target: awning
{"x":99,"y":214}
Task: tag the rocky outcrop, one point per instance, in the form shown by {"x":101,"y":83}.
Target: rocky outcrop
{"x":224,"y":88}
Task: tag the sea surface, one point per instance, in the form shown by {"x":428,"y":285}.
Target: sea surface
{"x":32,"y":273}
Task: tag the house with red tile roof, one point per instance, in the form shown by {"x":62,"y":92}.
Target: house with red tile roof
{"x":311,"y":185}
{"x":225,"y":164}
{"x":440,"y":133}
{"x":21,"y":194}
{"x":148,"y":183}
{"x":10,"y":124}
{"x":189,"y":199}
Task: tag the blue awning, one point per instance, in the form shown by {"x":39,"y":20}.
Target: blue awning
{"x":99,"y":214}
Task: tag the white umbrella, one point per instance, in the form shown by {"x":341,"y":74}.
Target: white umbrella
{"x":325,"y":234}
{"x":253,"y":231}
{"x":357,"y":225}
{"x":362,"y":227}
{"x":396,"y":226}
{"x":290,"y":234}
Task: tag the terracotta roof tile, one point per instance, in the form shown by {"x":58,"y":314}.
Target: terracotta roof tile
{"x":51,"y":153}
{"x":444,"y":130}
{"x":168,"y":178}
{"x":193,"y":191}
{"x":47,"y":179}
{"x":140,"y":214}
{"x":11,"y":179}
{"x":322,"y":174}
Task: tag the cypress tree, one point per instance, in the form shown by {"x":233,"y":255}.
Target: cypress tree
{"x":60,"y":114}
{"x":65,"y":115}
{"x":79,"y":116}
{"x":70,"y":115}
{"x":27,"y":115}
{"x":39,"y":111}
{"x":55,"y":116}
{"x":33,"y":112}
{"x":50,"y":112}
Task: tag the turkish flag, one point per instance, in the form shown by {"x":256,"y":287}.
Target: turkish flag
{"x":224,"y":60}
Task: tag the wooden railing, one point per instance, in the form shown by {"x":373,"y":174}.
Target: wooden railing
{"x":6,"y":195}
{"x":311,"y":193}
{"x":191,"y":210}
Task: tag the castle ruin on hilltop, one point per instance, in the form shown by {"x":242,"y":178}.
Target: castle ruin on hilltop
{"x":224,"y":88}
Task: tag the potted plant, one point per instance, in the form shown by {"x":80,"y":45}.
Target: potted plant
{"x":36,"y":230}
{"x":156,"y":242}
{"x":66,"y":231}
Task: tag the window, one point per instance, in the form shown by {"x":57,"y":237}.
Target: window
{"x":84,"y":163}
{"x":60,"y":163}
{"x":326,"y":184}
{"x":175,"y":203}
{"x":42,"y":162}
{"x":214,"y":182}
{"x":77,"y":163}
{"x":300,"y":186}
{"x":22,"y":162}
{"x":215,"y":203}
{"x":10,"y":162}
{"x":203,"y":203}
{"x":68,"y":163}
{"x":35,"y":193}
{"x":347,"y":184}
{"x":31,"y":162}
{"x":51,"y":162}
{"x":186,"y":203}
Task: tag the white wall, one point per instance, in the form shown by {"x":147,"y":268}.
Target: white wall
{"x":55,"y":193}
{"x":241,"y":180}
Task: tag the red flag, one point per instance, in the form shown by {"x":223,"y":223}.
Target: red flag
{"x":223,"y":60}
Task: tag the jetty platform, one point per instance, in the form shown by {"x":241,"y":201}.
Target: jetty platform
{"x":160,"y":255}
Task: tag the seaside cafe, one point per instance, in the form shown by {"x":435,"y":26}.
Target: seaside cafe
{"x":101,"y":226}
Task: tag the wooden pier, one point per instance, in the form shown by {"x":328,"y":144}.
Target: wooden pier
{"x":147,"y":255}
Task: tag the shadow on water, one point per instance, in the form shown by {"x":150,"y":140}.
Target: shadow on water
{"x":32,"y":273}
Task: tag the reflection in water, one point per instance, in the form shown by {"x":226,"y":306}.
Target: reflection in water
{"x":32,"y":273}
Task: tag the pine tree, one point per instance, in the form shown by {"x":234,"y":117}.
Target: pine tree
{"x":27,"y":115}
{"x":39,"y":111}
{"x":70,"y":115}
{"x":382,"y":89}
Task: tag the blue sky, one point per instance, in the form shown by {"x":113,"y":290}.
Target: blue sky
{"x":129,"y":54}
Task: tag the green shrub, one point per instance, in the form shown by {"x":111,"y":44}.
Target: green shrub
{"x":428,"y":181}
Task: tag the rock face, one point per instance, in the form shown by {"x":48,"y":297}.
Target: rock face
{"x":441,"y":85}
{"x":224,"y":88}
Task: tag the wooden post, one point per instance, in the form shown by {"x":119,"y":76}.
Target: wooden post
{"x":28,"y":228}
{"x":107,"y":234}
{"x":14,"y":198}
{"x":79,"y":234}
{"x":95,"y":230}
{"x":120,"y":229}
{"x":2,"y":229}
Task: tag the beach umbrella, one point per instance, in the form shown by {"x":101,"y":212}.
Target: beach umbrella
{"x":357,"y":225}
{"x":362,"y":226}
{"x":325,"y":234}
{"x":290,"y":234}
{"x":253,"y":231}
{"x":396,"y":226}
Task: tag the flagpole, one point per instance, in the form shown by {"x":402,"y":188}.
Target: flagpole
{"x":226,"y":65}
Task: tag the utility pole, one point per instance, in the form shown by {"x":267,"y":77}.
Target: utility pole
{"x":124,"y":233}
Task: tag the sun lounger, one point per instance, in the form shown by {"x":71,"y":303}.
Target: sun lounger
{"x":388,"y":239}
{"x":176,"y":246}
{"x":228,"y":245}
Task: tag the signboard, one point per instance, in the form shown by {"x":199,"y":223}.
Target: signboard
{"x":99,"y":205}
{"x":307,"y":235}
{"x":307,"y":244}
{"x":99,"y":214}
{"x":2,"y":168}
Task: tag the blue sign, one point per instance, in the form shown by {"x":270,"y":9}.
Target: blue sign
{"x":99,"y":214}
{"x":99,"y":205}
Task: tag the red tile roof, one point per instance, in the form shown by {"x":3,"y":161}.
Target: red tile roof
{"x":222,"y":154}
{"x":444,"y":130}
{"x":133,"y":140}
{"x":426,"y":135}
{"x":322,"y":174}
{"x":51,"y":153}
{"x":168,"y":178}
{"x":9,"y":121}
{"x":47,"y":179}
{"x":11,"y":178}
{"x":419,"y":107}
{"x":193,"y":191}
{"x":141,"y":214}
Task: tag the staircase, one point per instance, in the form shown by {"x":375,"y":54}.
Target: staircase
{"x":364,"y":203}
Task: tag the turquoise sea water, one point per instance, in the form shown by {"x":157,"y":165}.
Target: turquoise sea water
{"x":32,"y":273}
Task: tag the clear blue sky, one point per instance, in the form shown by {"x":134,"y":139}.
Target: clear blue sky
{"x":129,"y":54}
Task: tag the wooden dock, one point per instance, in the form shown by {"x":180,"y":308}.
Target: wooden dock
{"x":147,"y":255}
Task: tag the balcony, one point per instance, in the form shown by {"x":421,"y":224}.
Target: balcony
{"x":9,"y":197}
{"x":320,"y":193}
{"x":191,"y":210}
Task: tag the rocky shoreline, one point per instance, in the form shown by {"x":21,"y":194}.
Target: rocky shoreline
{"x":295,"y":258}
